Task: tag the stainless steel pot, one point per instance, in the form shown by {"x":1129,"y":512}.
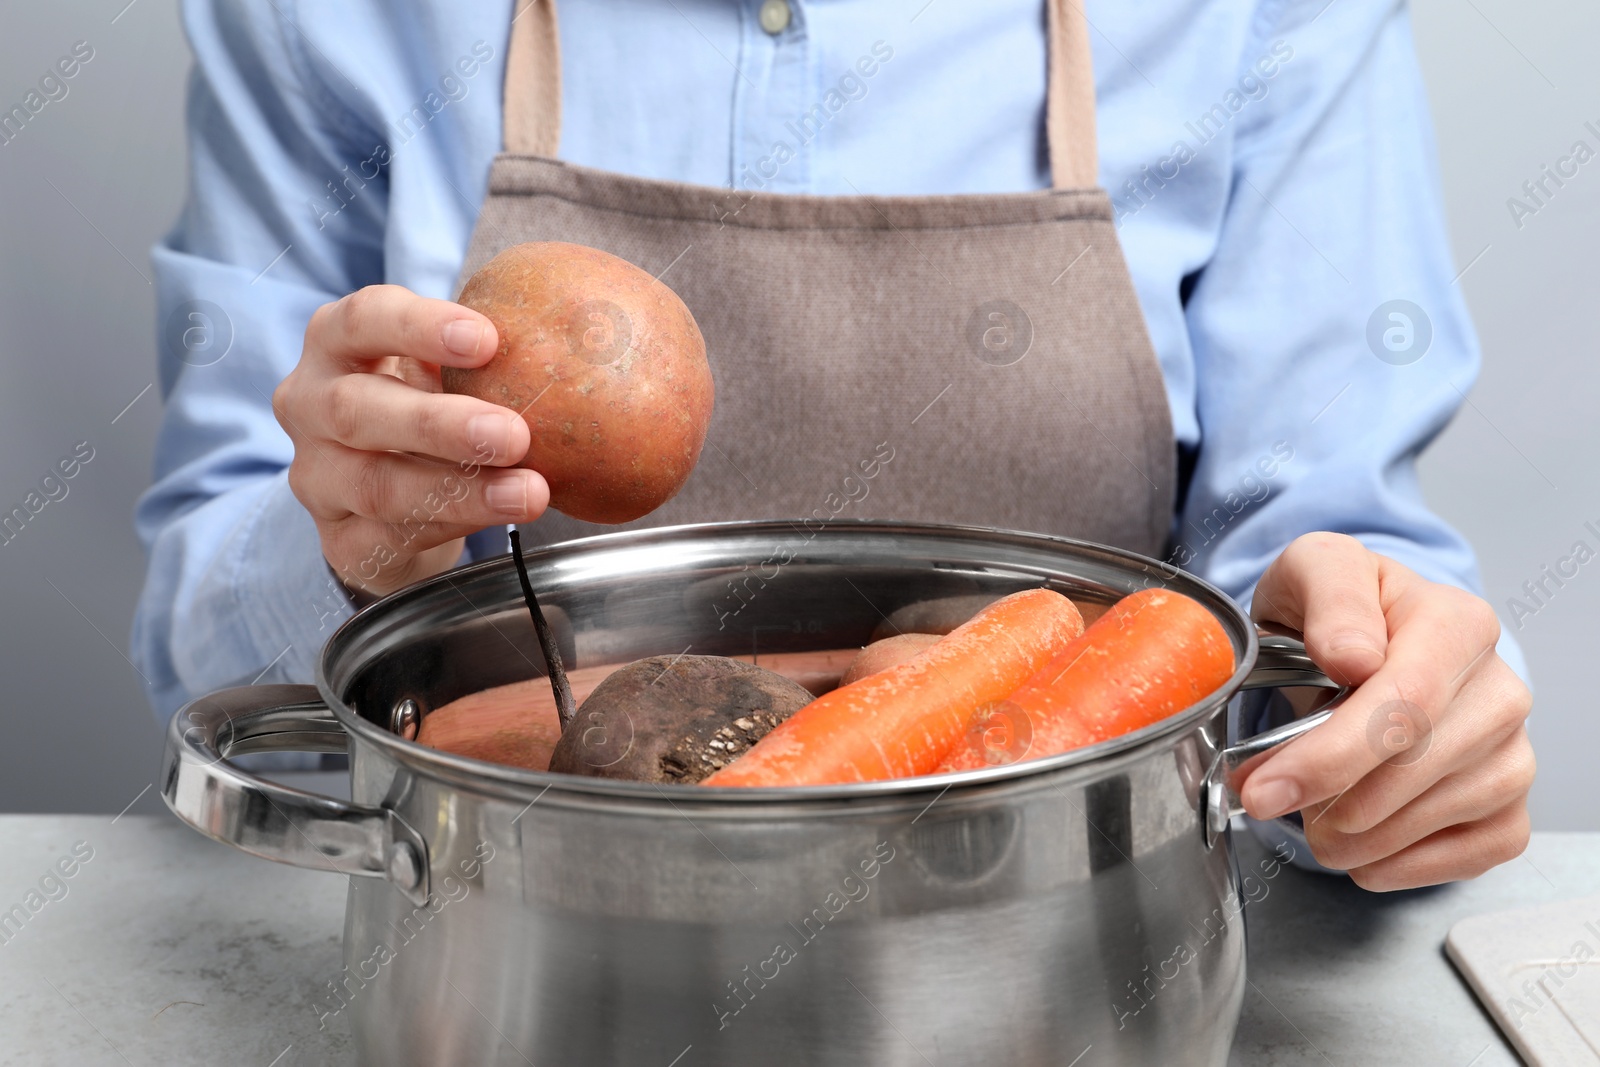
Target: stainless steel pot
{"x":1013,"y":915}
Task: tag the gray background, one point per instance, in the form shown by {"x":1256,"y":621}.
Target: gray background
{"x":98,"y":176}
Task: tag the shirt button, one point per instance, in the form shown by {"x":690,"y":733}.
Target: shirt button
{"x":774,"y":16}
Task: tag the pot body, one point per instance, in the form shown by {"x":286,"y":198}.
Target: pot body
{"x":1016,"y":923}
{"x":1019,"y":914}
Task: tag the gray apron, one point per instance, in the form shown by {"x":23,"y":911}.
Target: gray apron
{"x":967,"y":359}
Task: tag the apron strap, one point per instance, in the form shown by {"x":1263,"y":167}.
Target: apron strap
{"x":1069,"y":99}
{"x":532,"y":101}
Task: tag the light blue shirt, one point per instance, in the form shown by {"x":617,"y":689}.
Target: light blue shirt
{"x":1271,"y":165}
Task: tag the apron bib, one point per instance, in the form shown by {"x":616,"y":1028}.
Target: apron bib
{"x":977,"y":359}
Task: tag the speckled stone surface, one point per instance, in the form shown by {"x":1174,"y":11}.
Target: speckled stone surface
{"x":167,"y":948}
{"x":170,"y":949}
{"x":1341,"y":976}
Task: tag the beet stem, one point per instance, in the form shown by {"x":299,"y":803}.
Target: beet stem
{"x":566,"y":707}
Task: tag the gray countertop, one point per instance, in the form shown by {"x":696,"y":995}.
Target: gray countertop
{"x":165,"y":948}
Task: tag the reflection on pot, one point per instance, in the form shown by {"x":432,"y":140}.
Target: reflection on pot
{"x":961,"y":849}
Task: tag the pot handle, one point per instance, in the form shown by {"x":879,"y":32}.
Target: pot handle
{"x":1282,"y":661}
{"x":275,"y":821}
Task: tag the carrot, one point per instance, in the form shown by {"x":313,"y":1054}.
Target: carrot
{"x":901,"y":722}
{"x":1154,"y":653}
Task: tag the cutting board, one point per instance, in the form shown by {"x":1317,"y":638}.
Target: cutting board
{"x":1537,"y":972}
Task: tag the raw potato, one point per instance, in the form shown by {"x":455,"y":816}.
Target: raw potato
{"x":606,"y":366}
{"x":675,"y":719}
{"x":943,"y":614}
{"x":937,"y":616}
{"x":889,"y":652}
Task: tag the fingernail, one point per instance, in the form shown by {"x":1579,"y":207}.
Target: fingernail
{"x":490,"y":434}
{"x":1274,"y":797}
{"x":462,"y":336}
{"x":1352,"y":641}
{"x":509,"y":496}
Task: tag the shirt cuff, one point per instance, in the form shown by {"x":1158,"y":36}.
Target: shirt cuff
{"x":288,"y":598}
{"x":487,"y":543}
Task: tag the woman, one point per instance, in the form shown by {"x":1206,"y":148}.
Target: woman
{"x":1243,"y":350}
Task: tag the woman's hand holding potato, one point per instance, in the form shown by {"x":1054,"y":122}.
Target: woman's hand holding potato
{"x":394,"y":471}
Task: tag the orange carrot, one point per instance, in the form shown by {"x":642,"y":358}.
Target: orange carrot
{"x":901,"y":722}
{"x":1154,"y":653}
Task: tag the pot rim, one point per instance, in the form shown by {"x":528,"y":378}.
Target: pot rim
{"x":522,"y":782}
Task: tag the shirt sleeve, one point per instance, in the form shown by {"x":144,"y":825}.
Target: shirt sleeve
{"x":236,"y":588}
{"x":1331,"y":341}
